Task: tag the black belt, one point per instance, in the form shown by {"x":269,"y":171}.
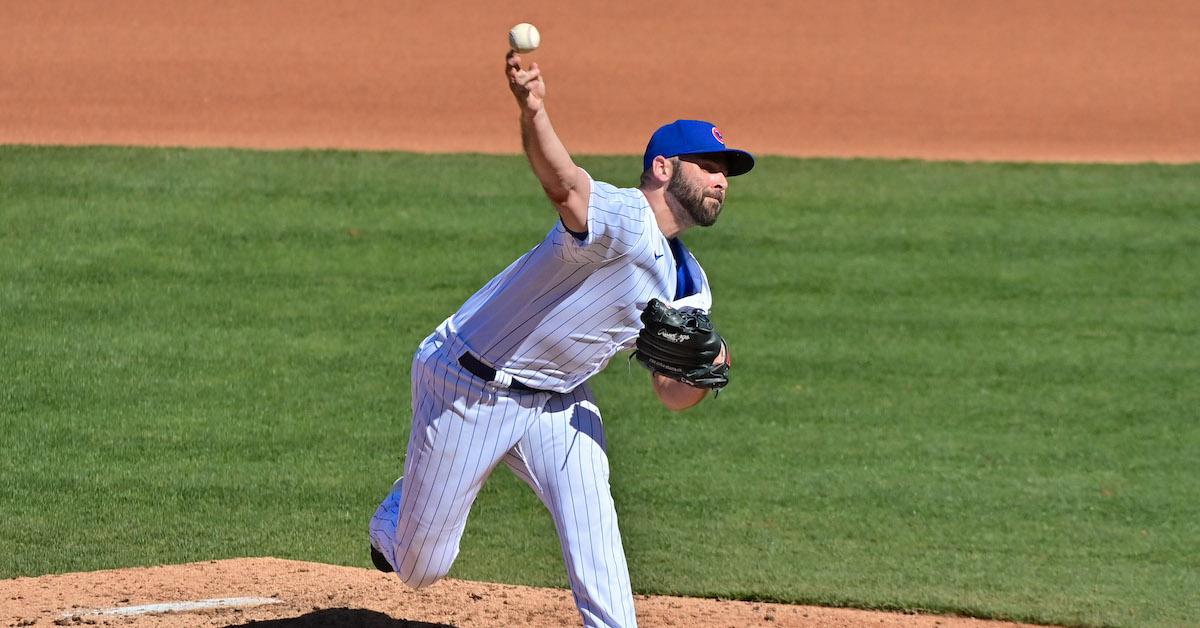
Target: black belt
{"x":487,"y":373}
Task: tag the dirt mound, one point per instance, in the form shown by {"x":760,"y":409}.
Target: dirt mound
{"x":290,"y":594}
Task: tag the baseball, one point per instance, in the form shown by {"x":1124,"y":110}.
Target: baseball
{"x":524,"y":37}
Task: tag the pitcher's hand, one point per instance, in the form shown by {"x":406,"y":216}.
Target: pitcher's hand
{"x":526,"y":85}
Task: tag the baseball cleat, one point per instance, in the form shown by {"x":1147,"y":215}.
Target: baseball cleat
{"x":381,"y":563}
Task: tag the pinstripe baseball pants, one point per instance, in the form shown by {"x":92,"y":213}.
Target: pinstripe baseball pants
{"x":461,"y":429}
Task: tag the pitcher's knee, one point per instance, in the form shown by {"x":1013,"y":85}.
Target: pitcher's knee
{"x":419,"y":577}
{"x":420,"y":565}
{"x":417,"y":581}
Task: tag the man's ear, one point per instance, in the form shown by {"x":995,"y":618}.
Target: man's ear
{"x":663,"y":168}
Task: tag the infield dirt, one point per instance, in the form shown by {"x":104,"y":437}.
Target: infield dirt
{"x":311,"y":595}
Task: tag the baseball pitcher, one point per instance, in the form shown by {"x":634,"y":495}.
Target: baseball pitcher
{"x":504,"y":379}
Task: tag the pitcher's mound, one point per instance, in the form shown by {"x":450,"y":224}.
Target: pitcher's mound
{"x":292,"y":594}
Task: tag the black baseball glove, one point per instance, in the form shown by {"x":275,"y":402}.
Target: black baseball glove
{"x":681,"y":345}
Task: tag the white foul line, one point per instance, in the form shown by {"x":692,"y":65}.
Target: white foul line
{"x":167,"y":607}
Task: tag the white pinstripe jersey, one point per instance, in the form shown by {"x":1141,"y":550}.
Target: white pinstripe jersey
{"x":557,"y":315}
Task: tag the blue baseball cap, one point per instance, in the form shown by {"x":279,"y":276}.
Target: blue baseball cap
{"x":695,"y":137}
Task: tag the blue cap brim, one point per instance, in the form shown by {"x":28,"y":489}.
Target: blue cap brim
{"x":736,"y":161}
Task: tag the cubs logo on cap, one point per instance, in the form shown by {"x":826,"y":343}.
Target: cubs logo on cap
{"x":695,"y":137}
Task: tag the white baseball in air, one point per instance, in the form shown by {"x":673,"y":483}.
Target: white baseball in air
{"x":524,"y":37}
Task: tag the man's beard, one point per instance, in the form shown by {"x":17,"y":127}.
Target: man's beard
{"x":691,"y":198}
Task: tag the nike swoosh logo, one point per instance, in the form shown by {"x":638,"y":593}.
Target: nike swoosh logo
{"x":658,"y":256}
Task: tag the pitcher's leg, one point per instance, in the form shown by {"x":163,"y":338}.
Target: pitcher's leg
{"x":382,"y":529}
{"x":460,"y":430}
{"x":562,"y":456}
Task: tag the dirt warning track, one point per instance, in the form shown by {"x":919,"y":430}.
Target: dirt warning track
{"x":1106,"y":80}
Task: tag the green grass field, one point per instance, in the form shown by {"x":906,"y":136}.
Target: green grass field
{"x":958,"y":388}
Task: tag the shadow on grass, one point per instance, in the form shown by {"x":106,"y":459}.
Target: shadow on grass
{"x":341,"y":618}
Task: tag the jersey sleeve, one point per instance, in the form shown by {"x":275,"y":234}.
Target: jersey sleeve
{"x":618,"y":222}
{"x":701,"y":295}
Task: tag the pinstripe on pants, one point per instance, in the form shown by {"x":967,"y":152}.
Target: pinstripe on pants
{"x":461,"y":430}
